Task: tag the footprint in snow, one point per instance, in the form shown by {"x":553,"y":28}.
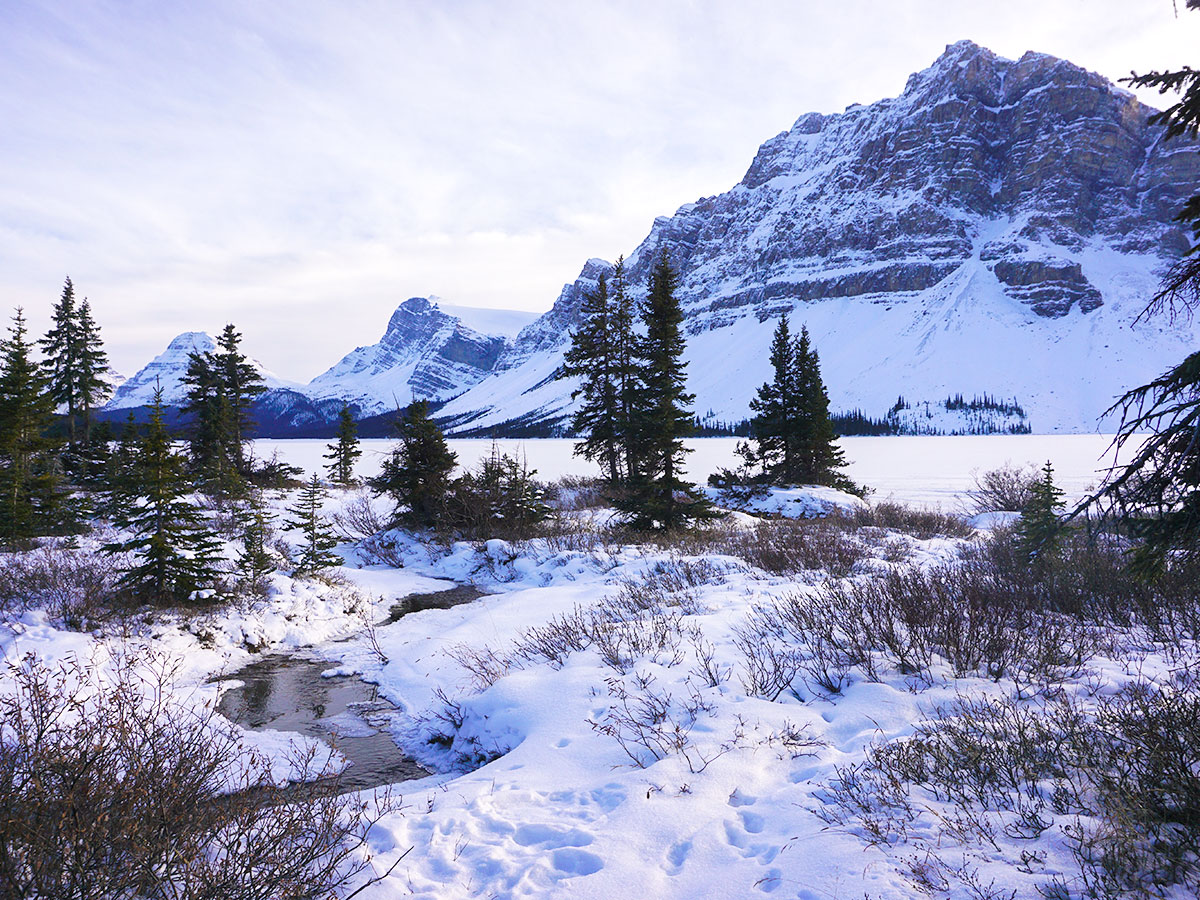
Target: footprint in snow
{"x":572,"y":863}
{"x":737,"y":798}
{"x":551,"y":837}
{"x":677,"y":855}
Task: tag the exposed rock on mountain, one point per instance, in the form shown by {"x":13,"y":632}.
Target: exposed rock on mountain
{"x":995,"y":228}
{"x":425,"y":353}
{"x":168,"y":368}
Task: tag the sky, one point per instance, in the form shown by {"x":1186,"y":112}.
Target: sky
{"x":300,"y":168}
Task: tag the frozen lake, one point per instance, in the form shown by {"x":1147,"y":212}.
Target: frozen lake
{"x":923,"y":471}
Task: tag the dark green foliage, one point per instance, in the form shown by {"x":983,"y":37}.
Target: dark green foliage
{"x":316,"y":551}
{"x":222,"y":387}
{"x":417,"y":474}
{"x":254,"y":564}
{"x":345,"y":451}
{"x":32,"y":496}
{"x":500,"y":498}
{"x":592,"y":357}
{"x":658,"y":497}
{"x":1041,"y":519}
{"x":174,"y":551}
{"x":75,"y":361}
{"x":793,"y":433}
{"x":1156,"y":495}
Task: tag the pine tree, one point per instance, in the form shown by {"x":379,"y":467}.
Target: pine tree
{"x":417,"y":474}
{"x":1156,"y":494}
{"x":1041,"y":519}
{"x":820,"y":458}
{"x":60,"y":346}
{"x":659,"y":497}
{"x":241,"y":385}
{"x":211,"y":457}
{"x":343,"y":454}
{"x":316,"y":551}
{"x":174,"y":551}
{"x":91,"y":368}
{"x":592,"y":357}
{"x":31,"y":490}
{"x":625,"y":374}
{"x":254,"y":564}
{"x":773,"y":426}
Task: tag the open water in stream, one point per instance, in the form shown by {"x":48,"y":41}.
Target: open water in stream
{"x":288,"y":692}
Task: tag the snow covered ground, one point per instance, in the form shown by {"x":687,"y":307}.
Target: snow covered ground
{"x":922,"y":471}
{"x":644,"y":764}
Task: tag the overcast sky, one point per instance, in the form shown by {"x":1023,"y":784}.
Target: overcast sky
{"x":299,"y":168}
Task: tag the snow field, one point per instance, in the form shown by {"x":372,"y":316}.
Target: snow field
{"x":638,"y":765}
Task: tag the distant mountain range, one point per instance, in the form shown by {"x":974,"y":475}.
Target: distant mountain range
{"x":994,"y":230}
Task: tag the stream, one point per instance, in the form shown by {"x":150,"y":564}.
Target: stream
{"x":287,"y":692}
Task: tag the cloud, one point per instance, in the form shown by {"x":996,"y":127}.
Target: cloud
{"x":300,"y":168}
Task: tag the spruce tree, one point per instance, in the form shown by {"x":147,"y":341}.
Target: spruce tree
{"x":253,"y":563}
{"x":773,"y":426}
{"x":820,"y":458}
{"x":345,"y":451}
{"x":91,"y":368}
{"x":659,"y":498}
{"x":316,"y":551}
{"x":417,"y":474}
{"x":1155,"y":496}
{"x":30,"y":482}
{"x":241,"y":385}
{"x":625,"y":374}
{"x":212,"y":459}
{"x":60,"y":347}
{"x":592,"y":358}
{"x":174,"y":551}
{"x":1041,"y":519}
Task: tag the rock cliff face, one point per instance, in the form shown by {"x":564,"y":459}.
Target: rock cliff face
{"x":995,"y":228}
{"x":424,"y":353}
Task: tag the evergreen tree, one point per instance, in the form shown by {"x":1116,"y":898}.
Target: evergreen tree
{"x":658,"y":496}
{"x":1041,"y":519}
{"x":1156,"y":495}
{"x":60,"y":348}
{"x":316,"y":551}
{"x":75,"y":361}
{"x":254,"y":563}
{"x":174,"y":551}
{"x":211,"y":455}
{"x":775,"y":408}
{"x":31,"y":495}
{"x":345,"y":451}
{"x":242,"y":385}
{"x":417,"y":474}
{"x":91,"y":369}
{"x":592,"y":357}
{"x":820,"y":458}
{"x":625,"y":374}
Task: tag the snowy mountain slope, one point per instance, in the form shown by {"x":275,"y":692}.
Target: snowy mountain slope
{"x":427,"y":352}
{"x":994,"y":229}
{"x":168,"y":368}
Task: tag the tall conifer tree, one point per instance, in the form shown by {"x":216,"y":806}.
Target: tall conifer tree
{"x":174,"y":551}
{"x":592,"y":357}
{"x":659,"y":497}
{"x":316,"y":549}
{"x":345,"y":450}
{"x":30,"y":486}
{"x":417,"y":474}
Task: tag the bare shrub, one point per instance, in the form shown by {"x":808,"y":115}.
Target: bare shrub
{"x":650,"y":724}
{"x":575,"y":492}
{"x":920,"y":523}
{"x":76,"y":587}
{"x":779,"y":546}
{"x":109,"y":788}
{"x":1006,"y":489}
{"x":359,"y":518}
{"x":1117,"y":784}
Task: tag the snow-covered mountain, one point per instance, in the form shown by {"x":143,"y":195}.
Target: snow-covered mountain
{"x":995,"y":229}
{"x":168,"y":368}
{"x":428,"y":351}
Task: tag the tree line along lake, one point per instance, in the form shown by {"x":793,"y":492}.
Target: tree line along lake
{"x":934,"y":471}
